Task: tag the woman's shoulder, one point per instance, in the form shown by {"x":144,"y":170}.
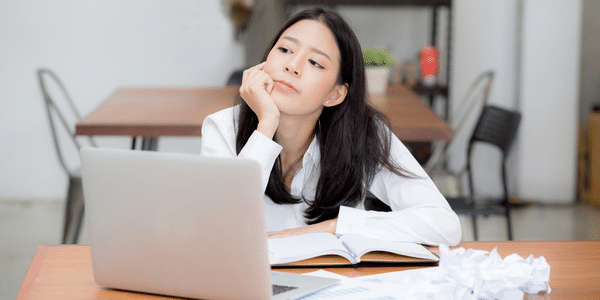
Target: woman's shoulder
{"x":225,"y":117}
{"x":222,"y":121}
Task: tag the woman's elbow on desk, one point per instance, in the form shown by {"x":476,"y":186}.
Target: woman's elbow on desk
{"x":441,"y":226}
{"x":453,"y":232}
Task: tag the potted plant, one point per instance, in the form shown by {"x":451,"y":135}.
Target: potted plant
{"x":377,"y":62}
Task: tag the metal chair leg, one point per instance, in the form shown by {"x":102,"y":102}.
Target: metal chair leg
{"x":505,"y":201}
{"x":508,"y":223}
{"x":150,"y":144}
{"x":74,"y":209}
{"x":475,"y":237}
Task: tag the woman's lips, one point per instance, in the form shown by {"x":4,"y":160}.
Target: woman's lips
{"x":285,"y":87}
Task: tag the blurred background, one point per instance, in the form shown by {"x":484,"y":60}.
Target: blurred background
{"x":544,"y":54}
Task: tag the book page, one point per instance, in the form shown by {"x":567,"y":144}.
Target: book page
{"x":300,"y":247}
{"x":361,"y":245}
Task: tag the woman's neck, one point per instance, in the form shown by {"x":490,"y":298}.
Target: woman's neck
{"x":295,"y":136}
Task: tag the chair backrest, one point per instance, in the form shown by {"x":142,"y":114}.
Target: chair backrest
{"x":498,"y":127}
{"x":62,"y":117}
{"x":473,"y":101}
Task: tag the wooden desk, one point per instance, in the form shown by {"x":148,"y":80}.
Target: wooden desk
{"x":154,"y":112}
{"x":65,"y":272}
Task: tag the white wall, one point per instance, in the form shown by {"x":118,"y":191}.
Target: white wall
{"x":96,"y":47}
{"x":550,"y":100}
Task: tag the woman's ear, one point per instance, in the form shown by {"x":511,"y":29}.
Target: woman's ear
{"x":337,"y":95}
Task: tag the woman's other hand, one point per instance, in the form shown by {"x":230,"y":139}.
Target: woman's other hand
{"x":256,"y":90}
{"x":325,"y":226}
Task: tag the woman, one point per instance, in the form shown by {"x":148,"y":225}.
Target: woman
{"x":303,"y":116}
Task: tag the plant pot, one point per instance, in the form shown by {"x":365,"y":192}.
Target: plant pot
{"x":377,"y":79}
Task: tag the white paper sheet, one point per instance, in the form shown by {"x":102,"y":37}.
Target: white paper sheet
{"x":355,"y":289}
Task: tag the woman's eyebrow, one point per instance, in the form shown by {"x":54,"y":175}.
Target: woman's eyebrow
{"x":295,"y":40}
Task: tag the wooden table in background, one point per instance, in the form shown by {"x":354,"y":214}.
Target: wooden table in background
{"x":65,"y":272}
{"x":154,"y":112}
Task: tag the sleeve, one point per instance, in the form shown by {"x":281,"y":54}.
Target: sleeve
{"x":218,"y":139}
{"x":420,"y":213}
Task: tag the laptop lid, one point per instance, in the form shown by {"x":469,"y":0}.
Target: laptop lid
{"x":181,"y":225}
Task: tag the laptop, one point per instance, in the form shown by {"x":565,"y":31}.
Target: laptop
{"x":181,"y":225}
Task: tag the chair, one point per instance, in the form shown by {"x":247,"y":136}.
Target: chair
{"x":236,"y":77}
{"x":62,"y":117}
{"x":496,"y":127}
{"x":472,"y":103}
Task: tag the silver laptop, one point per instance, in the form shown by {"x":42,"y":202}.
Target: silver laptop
{"x":181,"y":225}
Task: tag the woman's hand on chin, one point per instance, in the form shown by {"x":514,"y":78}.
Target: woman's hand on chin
{"x":256,"y":90}
{"x":325,"y":226}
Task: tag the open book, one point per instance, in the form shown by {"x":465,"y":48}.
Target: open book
{"x":321,"y":249}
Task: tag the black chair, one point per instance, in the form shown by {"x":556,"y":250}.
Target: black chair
{"x":496,"y":127}
{"x":236,"y":77}
{"x":62,"y":116}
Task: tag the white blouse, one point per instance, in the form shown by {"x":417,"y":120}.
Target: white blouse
{"x":419,"y":211}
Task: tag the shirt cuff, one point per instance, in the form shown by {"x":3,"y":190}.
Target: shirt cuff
{"x":260,"y":146}
{"x":263,"y":150}
{"x":350,"y":220}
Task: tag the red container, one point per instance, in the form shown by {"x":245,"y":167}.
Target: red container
{"x":430,"y":66}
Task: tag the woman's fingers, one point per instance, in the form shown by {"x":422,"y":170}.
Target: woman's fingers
{"x":256,"y":83}
{"x":254,"y":77}
{"x":269,"y":85}
{"x":249,"y":74}
{"x":256,"y":90}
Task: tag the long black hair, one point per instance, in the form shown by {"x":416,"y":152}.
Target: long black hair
{"x":353,"y":142}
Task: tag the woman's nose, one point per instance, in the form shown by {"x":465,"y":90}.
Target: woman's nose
{"x":293,"y":66}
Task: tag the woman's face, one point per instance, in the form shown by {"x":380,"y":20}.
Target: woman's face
{"x":304,"y":65}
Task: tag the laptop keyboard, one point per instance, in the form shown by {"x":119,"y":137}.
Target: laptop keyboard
{"x":278,"y":289}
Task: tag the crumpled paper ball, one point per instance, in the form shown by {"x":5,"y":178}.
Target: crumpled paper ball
{"x":477,"y":274}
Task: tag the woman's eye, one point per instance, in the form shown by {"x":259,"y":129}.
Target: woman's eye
{"x":316,"y":64}
{"x":284,"y":50}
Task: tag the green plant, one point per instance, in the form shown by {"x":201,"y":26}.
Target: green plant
{"x":377,"y":57}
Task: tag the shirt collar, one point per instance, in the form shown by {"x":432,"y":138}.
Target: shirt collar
{"x":313,"y":152}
